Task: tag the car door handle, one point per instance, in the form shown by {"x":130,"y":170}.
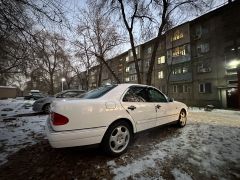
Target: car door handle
{"x":157,"y":106}
{"x":132,"y":107}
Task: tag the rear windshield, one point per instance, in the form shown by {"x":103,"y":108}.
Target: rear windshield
{"x":96,"y":93}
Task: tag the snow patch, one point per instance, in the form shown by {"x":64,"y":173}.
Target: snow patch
{"x":209,"y":140}
{"x":13,"y":107}
{"x":137,"y":166}
{"x":180,"y":175}
{"x":19,"y":133}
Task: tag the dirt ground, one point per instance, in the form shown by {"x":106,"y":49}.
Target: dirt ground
{"x":207,"y":148}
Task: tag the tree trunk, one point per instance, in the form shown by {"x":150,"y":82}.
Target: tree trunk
{"x":156,"y":43}
{"x":109,"y":68}
{"x":51,"y":85}
{"x":135,"y":58}
{"x":99,"y":82}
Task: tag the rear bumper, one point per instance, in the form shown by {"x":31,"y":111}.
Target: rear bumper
{"x":75,"y":137}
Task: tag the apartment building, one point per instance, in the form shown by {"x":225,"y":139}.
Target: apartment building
{"x":196,"y":62}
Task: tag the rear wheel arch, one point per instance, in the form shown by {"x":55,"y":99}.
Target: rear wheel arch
{"x":124,"y":122}
{"x":118,"y":121}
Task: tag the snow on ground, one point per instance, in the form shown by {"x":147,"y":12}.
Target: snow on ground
{"x":209,"y":143}
{"x":179,"y":175}
{"x":18,"y":133}
{"x":12,"y":107}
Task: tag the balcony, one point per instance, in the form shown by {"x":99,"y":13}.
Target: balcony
{"x":186,"y":77}
{"x":178,"y":59}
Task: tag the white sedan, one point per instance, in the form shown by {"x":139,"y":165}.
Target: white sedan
{"x":110,"y":116}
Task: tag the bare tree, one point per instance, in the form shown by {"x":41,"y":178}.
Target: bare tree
{"x":17,"y":19}
{"x":167,"y":8}
{"x":48,"y":53}
{"x":85,"y":59}
{"x":149,"y":12}
{"x":130,"y":12}
{"x":99,"y":32}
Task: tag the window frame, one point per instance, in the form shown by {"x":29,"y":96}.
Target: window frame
{"x":147,"y":88}
{"x":204,"y":87}
{"x":165,"y":97}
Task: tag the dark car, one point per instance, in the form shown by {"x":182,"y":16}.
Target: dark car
{"x":34,"y":95}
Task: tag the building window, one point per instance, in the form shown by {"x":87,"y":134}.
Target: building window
{"x":169,"y":54}
{"x":177,"y":35}
{"x":133,"y":77}
{"x":201,"y":68}
{"x":179,"y":51}
{"x":175,"y":88}
{"x":127,"y":79}
{"x":120,"y":59}
{"x":93,"y":78}
{"x":149,"y":50}
{"x":131,"y":53}
{"x":127,"y":59}
{"x":180,"y":88}
{"x":203,"y":48}
{"x":205,"y":88}
{"x":185,"y":88}
{"x":160,"y":75}
{"x":127,"y":69}
{"x":185,"y":69}
{"x":132,"y":69}
{"x":147,"y":62}
{"x":163,"y":89}
{"x":161,"y":60}
{"x":177,"y":70}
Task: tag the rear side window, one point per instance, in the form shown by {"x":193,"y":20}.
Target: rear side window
{"x":136,"y":94}
{"x":96,"y":93}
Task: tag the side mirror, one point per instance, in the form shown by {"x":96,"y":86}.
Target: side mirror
{"x":170,"y":99}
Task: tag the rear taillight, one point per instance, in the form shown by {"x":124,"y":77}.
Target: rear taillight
{"x":58,"y":119}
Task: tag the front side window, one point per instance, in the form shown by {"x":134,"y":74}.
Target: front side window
{"x":156,"y":96}
{"x":136,"y":94}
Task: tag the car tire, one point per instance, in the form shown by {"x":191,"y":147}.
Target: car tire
{"x":182,"y":118}
{"x":117,"y":138}
{"x":46,"y":108}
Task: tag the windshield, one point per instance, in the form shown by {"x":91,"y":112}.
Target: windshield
{"x":96,"y":93}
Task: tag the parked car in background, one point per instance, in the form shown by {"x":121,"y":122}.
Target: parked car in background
{"x":43,"y":105}
{"x":34,"y":95}
{"x":110,"y":115}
